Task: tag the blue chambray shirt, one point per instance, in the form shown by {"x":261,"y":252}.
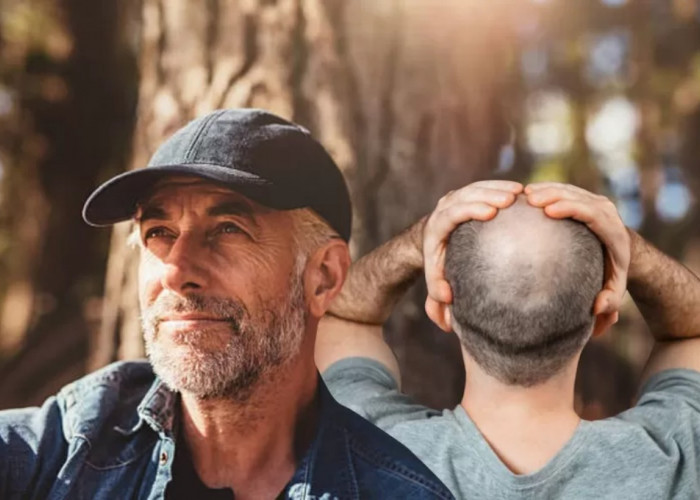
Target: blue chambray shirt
{"x":110,"y":435}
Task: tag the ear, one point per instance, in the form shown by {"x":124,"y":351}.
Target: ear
{"x":603,"y":322}
{"x":324,"y":276}
{"x":439,"y":313}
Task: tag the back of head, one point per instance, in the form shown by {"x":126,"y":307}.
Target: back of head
{"x":524,"y":286}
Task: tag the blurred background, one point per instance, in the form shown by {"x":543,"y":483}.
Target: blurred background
{"x":411,"y":97}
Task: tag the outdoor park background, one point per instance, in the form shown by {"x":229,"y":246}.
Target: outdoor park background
{"x":411,"y":97}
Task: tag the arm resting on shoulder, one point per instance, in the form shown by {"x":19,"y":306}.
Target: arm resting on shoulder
{"x":353,"y":326}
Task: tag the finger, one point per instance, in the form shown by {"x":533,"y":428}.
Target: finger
{"x":609,"y":299}
{"x":539,"y":186}
{"x":578,"y":210}
{"x":549,"y":195}
{"x":472,"y":194}
{"x":442,"y":222}
{"x":512,"y":186}
{"x":601,"y":216}
{"x":437,"y":231}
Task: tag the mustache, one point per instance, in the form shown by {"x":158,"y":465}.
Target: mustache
{"x":224,"y":309}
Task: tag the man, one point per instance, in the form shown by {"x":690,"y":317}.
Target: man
{"x":520,"y":283}
{"x":243,"y":221}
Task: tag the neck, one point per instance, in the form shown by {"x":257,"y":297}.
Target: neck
{"x":254,"y":445}
{"x":525,"y":426}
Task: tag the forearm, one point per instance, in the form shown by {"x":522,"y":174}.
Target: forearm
{"x":666,"y":292}
{"x":378,"y":280}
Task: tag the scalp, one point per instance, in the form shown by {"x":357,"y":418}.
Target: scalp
{"x":524,"y":251}
{"x":523,"y":287}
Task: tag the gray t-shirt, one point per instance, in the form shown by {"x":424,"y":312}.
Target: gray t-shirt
{"x":651,"y":451}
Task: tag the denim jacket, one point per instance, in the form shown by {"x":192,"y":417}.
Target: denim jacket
{"x":110,"y":435}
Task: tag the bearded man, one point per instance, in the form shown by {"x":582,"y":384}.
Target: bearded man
{"x":242,"y":226}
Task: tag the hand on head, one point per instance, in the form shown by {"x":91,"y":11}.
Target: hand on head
{"x":482,"y":200}
{"x":561,"y":201}
{"x":477,"y":201}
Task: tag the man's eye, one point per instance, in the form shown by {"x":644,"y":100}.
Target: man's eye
{"x":228,"y":228}
{"x":156,"y":232}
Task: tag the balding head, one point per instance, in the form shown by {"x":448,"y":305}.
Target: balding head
{"x":524,"y":286}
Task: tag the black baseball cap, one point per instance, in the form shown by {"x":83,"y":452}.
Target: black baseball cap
{"x":264,"y":157}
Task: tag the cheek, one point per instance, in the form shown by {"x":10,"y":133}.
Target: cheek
{"x":148,"y":280}
{"x":265,"y":272}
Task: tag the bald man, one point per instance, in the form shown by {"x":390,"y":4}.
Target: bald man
{"x":525,"y":279}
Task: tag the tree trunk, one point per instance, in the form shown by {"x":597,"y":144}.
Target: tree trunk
{"x":66,"y":122}
{"x":404,"y":95}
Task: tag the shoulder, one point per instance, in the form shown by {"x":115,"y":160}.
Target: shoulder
{"x":668,"y":402}
{"x":34,"y":442}
{"x":113,"y":385}
{"x":668,"y":408}
{"x":375,"y":452}
{"x":368,"y":388}
{"x":121,"y":374}
{"x":112,"y":393}
{"x":664,"y":424}
{"x":674,"y":387}
{"x":32,"y":448}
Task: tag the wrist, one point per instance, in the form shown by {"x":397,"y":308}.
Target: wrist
{"x":639,"y":254}
{"x":417,"y":231}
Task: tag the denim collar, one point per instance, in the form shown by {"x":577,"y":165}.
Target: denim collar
{"x":326,"y":469}
{"x":157,"y":408}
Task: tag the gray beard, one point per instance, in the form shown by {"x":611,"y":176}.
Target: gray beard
{"x":256,"y":343}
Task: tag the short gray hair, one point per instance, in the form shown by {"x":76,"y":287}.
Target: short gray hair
{"x":310,"y":231}
{"x":524,"y":317}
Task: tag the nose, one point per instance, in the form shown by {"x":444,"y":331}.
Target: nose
{"x":184,"y":270}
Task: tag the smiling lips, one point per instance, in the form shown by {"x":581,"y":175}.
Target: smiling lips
{"x":192,"y":318}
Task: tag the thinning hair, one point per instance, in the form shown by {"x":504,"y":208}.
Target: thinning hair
{"x":523,"y":291}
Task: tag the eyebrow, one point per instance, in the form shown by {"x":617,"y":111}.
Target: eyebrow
{"x":149,"y":212}
{"x":238,"y":208}
{"x":233,"y":208}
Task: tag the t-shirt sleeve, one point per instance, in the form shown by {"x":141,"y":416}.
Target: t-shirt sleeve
{"x":368,"y":388}
{"x":677,"y":388}
{"x":668,"y":409}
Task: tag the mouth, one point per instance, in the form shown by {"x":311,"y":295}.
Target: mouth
{"x":191,"y":321}
{"x":192,"y":317}
{"x":184,"y":328}
{"x":191,"y":324}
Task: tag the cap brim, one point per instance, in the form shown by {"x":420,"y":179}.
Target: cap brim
{"x":116,"y":200}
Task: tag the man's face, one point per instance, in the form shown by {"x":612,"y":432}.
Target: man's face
{"x":220,"y":288}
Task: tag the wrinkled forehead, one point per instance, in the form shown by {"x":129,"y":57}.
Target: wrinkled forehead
{"x":174,"y":190}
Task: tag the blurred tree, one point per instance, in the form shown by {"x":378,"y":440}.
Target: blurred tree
{"x":67,"y":94}
{"x":406,"y":96}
